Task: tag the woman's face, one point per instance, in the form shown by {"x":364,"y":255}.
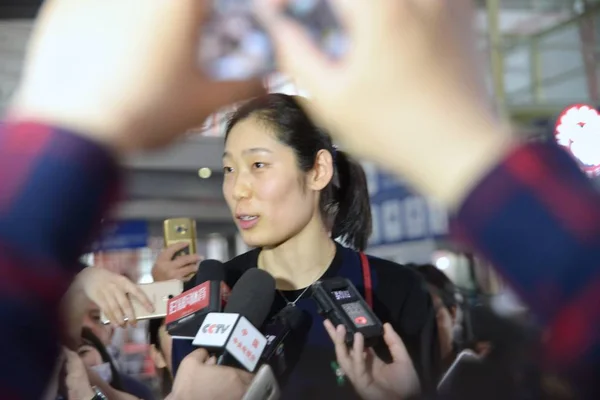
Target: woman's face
{"x":263,"y":186}
{"x":92,"y":321}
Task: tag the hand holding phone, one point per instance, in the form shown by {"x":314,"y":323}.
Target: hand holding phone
{"x":156,"y":295}
{"x":179,"y":235}
{"x":167,"y":266}
{"x":114,"y":294}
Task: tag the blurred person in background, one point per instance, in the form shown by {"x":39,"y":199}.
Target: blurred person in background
{"x":92,"y":320}
{"x":96,"y":291}
{"x":443,"y":294}
{"x":160,"y":352}
{"x":74,"y":380}
{"x":96,"y":357}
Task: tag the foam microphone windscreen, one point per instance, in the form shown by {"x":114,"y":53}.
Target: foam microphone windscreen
{"x":252,"y":296}
{"x":210,"y":270}
{"x":298,"y":318}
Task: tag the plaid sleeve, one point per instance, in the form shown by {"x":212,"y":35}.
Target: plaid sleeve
{"x":55,"y":186}
{"x":536,"y":217}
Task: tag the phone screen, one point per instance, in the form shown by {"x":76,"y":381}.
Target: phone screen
{"x":463,"y":359}
{"x":234,"y":46}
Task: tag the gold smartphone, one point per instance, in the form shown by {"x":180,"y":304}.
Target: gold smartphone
{"x":177,"y":230}
{"x":159,"y":294}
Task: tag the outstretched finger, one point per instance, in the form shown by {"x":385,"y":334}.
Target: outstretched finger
{"x":359,"y":355}
{"x":183,"y":261}
{"x":124,"y":306}
{"x":110,"y":308}
{"x":338,"y":336}
{"x":395,"y":344}
{"x":135,"y":291}
{"x":168,"y":253}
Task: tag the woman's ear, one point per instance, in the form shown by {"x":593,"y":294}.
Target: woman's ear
{"x":157,"y":358}
{"x":322,"y":171}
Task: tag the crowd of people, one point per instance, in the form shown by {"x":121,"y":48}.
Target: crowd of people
{"x":91,"y":96}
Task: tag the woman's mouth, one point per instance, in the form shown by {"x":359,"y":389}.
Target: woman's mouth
{"x":247,"y":221}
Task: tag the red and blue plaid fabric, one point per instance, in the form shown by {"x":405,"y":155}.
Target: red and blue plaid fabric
{"x":536,"y":218}
{"x":54,"y":188}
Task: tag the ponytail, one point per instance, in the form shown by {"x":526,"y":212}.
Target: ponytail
{"x":353,"y":222}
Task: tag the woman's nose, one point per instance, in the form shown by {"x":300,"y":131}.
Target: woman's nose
{"x":242,"y":188}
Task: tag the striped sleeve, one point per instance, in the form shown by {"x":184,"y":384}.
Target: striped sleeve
{"x":536,"y":217}
{"x":54,"y":188}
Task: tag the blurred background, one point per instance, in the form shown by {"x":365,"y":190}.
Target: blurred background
{"x":541,"y":57}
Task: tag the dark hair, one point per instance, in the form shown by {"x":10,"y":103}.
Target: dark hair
{"x":92,"y":340}
{"x":442,"y":285}
{"x":344,"y":202}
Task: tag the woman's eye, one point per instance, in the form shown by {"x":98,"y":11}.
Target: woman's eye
{"x":259,"y":165}
{"x":227,"y":170}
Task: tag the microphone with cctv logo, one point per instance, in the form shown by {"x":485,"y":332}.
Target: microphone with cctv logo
{"x":234,"y":334}
{"x":186,"y":312}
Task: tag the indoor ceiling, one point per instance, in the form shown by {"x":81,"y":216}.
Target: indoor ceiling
{"x":19,"y":9}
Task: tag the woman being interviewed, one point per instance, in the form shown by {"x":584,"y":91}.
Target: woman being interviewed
{"x":291,"y":192}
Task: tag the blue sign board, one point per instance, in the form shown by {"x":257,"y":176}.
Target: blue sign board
{"x":399,"y":214}
{"x":122,"y":235}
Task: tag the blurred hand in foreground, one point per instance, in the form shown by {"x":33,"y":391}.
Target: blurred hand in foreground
{"x":125,"y":73}
{"x":408,"y":93}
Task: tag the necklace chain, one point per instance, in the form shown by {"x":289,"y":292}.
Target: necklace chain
{"x":293,"y":303}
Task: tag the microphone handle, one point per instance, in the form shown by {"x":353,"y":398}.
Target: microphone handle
{"x":227,"y":360}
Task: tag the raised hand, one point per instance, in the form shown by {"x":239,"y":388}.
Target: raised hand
{"x":112,"y":293}
{"x":181,"y":267}
{"x":408,"y":94}
{"x":124,"y":73}
{"x":372,"y":378}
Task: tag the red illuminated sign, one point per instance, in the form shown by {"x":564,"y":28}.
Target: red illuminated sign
{"x":578,"y":130}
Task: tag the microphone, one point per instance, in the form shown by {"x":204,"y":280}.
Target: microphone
{"x":264,"y":386}
{"x":186,"y":312}
{"x":286,"y":334}
{"x":234,"y":334}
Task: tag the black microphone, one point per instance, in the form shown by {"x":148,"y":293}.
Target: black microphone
{"x":234,"y":334}
{"x":287,"y":334}
{"x":186,"y":312}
